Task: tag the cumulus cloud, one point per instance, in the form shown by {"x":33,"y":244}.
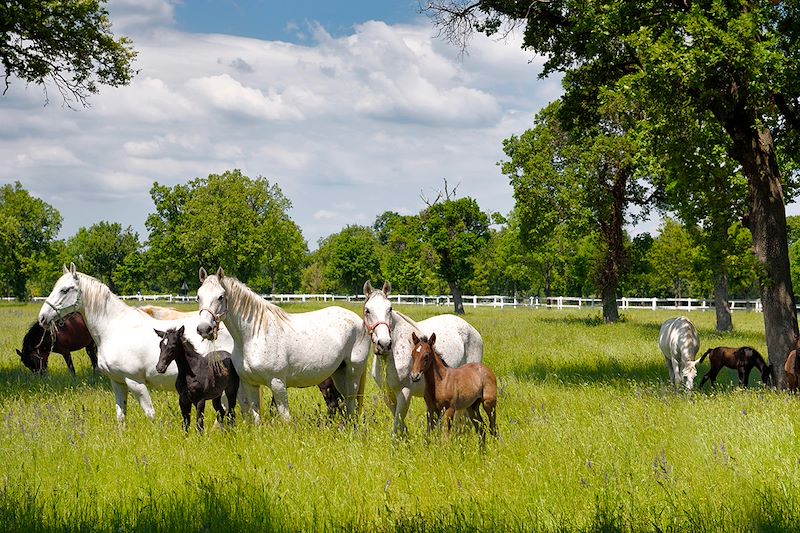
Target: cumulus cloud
{"x":347,"y":126}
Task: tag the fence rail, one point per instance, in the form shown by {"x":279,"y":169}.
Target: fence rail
{"x":536,"y":302}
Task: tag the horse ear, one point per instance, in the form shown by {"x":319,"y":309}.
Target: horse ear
{"x":72,"y":269}
{"x":181,"y":330}
{"x":387,"y":288}
{"x":432,"y":339}
{"x":220,"y":273}
{"x":203,"y":274}
{"x":414,"y":337}
{"x":159,"y":333}
{"x":66,"y":270}
{"x":18,"y":353}
{"x":367,"y":288}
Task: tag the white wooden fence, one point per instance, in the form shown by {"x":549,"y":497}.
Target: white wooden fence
{"x":552,"y":302}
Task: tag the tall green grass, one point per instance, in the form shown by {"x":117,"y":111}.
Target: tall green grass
{"x":592,"y":438}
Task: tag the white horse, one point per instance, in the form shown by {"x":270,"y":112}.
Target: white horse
{"x":679,"y":343}
{"x":127,"y":345}
{"x":456,"y":340}
{"x":280,"y":349}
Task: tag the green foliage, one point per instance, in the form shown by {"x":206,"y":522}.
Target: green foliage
{"x":68,"y":43}
{"x":456,"y":230}
{"x":100,"y":249}
{"x":407,"y":261}
{"x":348,"y":259}
{"x":28,"y":227}
{"x":673,"y":259}
{"x":227,"y":220}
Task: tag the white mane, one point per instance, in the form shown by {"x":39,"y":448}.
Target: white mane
{"x":250,"y":306}
{"x":95,"y":293}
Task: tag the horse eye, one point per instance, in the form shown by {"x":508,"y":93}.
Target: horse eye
{"x":366,"y":311}
{"x":390,"y":308}
{"x":220,"y":297}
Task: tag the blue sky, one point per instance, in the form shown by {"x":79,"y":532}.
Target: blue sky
{"x":286,"y":21}
{"x":351,"y":108}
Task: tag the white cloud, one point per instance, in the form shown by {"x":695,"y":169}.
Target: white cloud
{"x":348,"y":126}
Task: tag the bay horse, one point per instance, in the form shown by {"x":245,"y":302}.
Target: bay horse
{"x":450,"y":389}
{"x":70,"y":335}
{"x":127,"y":345}
{"x":679,"y":343}
{"x":459,"y":343}
{"x":199,"y":378}
{"x":280,"y":349}
{"x":743,"y":360}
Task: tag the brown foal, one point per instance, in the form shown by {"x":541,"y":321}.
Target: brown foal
{"x":450,"y":389}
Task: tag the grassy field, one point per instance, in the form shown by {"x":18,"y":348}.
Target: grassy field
{"x":592,"y":438}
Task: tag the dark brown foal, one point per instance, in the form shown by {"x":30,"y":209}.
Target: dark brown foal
{"x":199,"y":378}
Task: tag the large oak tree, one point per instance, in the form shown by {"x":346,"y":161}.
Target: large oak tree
{"x":736,"y":62}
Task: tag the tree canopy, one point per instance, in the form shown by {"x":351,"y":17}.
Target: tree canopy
{"x":68,"y":43}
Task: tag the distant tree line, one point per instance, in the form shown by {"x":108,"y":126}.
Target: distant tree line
{"x":450,"y":246}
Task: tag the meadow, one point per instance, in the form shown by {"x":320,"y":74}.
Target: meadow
{"x":592,"y":438}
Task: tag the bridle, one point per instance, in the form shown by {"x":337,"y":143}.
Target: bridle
{"x":64,"y":312}
{"x":216,"y":319}
{"x":371,"y":327}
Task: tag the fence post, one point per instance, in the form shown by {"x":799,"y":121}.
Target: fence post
{"x":474,"y":301}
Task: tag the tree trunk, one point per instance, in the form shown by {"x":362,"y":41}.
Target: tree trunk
{"x":754,"y":149}
{"x":721,"y":303}
{"x":455,"y":290}
{"x":610,"y":308}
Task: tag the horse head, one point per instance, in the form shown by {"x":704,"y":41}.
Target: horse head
{"x":213,"y":303}
{"x":422,"y":355}
{"x":688,"y":373}
{"x":64,"y":299}
{"x":171,"y":342}
{"x":378,"y":316}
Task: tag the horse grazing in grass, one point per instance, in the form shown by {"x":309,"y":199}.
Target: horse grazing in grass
{"x":679,"y":343}
{"x":127,"y":346}
{"x":450,"y":389}
{"x":199,"y":378}
{"x":70,"y":335}
{"x":743,"y":360}
{"x":280,"y":349}
{"x":459,"y":343}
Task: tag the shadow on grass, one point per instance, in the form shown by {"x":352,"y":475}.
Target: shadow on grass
{"x":16,"y":381}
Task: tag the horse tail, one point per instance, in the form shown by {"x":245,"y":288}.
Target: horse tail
{"x":360,"y":394}
{"x":704,"y":356}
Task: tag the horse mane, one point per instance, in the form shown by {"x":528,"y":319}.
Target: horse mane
{"x":251,"y":306}
{"x":95,"y":293}
{"x":35,"y":336}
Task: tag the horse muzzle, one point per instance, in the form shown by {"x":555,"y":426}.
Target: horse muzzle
{"x":415,"y":377}
{"x":161,"y":368}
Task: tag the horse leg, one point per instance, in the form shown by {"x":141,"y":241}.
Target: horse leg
{"x":140,"y":392}
{"x":91,"y":351}
{"x":217,"y":403}
{"x":477,"y":420}
{"x":68,"y":359}
{"x":186,"y":411}
{"x":120,"y":399}
{"x":403,"y":399}
{"x":449,"y":413}
{"x":352,"y":374}
{"x":231,"y":392}
{"x":281,"y":397}
{"x":251,"y":402}
{"x":676,"y":373}
{"x":200,"y":406}
{"x":491,"y":414}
